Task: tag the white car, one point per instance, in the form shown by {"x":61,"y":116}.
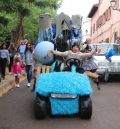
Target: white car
{"x":105,"y":66}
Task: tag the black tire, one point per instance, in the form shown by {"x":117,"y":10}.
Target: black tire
{"x":40,"y":107}
{"x":85,"y":107}
{"x":106,"y":75}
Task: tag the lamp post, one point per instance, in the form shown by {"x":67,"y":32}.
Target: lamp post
{"x":115,"y":5}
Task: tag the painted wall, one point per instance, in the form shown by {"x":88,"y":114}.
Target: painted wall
{"x":86,"y":29}
{"x":110,"y":29}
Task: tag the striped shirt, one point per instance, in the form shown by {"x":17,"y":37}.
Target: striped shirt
{"x":88,"y":64}
{"x":4,"y":53}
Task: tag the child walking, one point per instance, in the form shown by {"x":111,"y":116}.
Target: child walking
{"x":17,"y":69}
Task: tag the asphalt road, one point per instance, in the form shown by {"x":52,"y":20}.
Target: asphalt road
{"x":16,"y":110}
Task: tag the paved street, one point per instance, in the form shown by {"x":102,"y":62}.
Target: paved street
{"x":16,"y":111}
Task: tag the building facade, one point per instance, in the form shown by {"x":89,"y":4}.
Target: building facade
{"x":105,"y":22}
{"x":86,"y":29}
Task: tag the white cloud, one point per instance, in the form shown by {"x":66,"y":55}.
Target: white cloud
{"x":72,"y":7}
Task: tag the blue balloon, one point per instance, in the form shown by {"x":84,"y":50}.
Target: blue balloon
{"x":41,"y":52}
{"x":110,"y":53}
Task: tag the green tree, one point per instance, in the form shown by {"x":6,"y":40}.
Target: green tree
{"x":22,"y":16}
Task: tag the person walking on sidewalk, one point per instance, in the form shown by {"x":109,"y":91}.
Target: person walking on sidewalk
{"x":17,"y":69}
{"x":22,"y":48}
{"x":0,"y":65}
{"x":12,"y":51}
{"x":0,"y":74}
{"x":27,"y":61}
{"x":5,"y":59}
{"x":0,"y":70}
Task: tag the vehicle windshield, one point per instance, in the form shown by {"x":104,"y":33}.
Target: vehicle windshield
{"x":105,"y":47}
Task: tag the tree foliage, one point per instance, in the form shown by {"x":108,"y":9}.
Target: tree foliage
{"x":12,"y":12}
{"x":4,"y":21}
{"x":47,"y":3}
{"x":4,"y":35}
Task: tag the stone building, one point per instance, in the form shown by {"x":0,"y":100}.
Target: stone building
{"x":105,"y":22}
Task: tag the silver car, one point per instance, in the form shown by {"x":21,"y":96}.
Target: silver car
{"x":105,"y":66}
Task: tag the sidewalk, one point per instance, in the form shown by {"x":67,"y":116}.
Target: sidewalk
{"x":9,"y":83}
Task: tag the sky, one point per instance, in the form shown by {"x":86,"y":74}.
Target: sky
{"x":73,"y":7}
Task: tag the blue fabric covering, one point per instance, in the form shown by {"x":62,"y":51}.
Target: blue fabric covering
{"x":64,"y":106}
{"x":63,"y":82}
{"x":52,"y":67}
{"x":54,"y":30}
{"x":45,"y":35}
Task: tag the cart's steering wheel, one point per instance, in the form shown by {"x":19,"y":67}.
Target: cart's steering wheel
{"x":72,"y":61}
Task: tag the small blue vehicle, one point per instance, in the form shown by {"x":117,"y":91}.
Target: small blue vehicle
{"x":63,"y":93}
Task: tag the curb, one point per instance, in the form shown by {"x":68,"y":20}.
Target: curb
{"x":9,"y":85}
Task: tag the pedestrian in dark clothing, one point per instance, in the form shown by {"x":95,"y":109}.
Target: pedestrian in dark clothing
{"x":5,"y":59}
{"x":12,"y":51}
{"x":0,"y":73}
{"x":0,"y":65}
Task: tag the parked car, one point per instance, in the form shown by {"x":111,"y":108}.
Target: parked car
{"x":106,"y":66}
{"x":63,"y":93}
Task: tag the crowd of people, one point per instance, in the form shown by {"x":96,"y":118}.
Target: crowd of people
{"x":16,"y":60}
{"x":84,"y":57}
{"x":22,"y":58}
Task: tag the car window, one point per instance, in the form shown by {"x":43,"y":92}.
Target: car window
{"x":105,"y":47}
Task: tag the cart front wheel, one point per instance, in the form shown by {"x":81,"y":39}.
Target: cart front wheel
{"x":40,"y":107}
{"x":85,"y":107}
